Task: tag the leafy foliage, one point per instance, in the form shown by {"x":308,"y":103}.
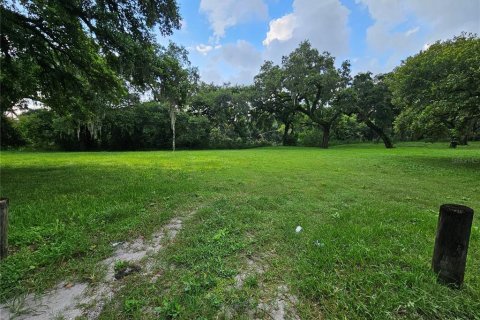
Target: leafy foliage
{"x":370,"y":100}
{"x":314,"y":82}
{"x":304,"y":101}
{"x":231,"y":114}
{"x":439,"y":89}
{"x":273,"y":99}
{"x":174,"y":82}
{"x":9,"y":134}
{"x":78,"y":54}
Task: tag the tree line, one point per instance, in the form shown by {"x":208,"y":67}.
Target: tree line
{"x":105,"y":84}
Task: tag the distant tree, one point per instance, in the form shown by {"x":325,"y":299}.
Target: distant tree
{"x":36,"y":128}
{"x":66,"y":54}
{"x":369,"y":98}
{"x":229,"y":110}
{"x":273,"y":98}
{"x":174,"y":81}
{"x":349,"y":129}
{"x":136,"y":127}
{"x":194,"y":131}
{"x":438,"y":89}
{"x":313,"y":82}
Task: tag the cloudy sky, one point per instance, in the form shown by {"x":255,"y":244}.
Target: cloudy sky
{"x":228,"y":40}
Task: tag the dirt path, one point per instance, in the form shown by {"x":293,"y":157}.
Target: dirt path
{"x":68,"y":301}
{"x":280,"y":306}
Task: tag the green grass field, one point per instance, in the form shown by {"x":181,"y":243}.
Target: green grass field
{"x":368,"y":216}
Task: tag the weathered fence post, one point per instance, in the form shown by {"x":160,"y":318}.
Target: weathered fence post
{"x":3,"y":228}
{"x":451,"y":243}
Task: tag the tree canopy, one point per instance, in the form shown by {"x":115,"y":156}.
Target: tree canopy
{"x":76,"y":54}
{"x":273,"y":98}
{"x":174,"y":81}
{"x":438,"y":89}
{"x":313,"y":82}
{"x":371,"y":101}
{"x":107,"y":84}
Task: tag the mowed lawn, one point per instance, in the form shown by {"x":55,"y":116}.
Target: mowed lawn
{"x":368,"y":215}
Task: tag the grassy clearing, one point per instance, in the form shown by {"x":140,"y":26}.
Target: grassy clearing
{"x":369,"y":217}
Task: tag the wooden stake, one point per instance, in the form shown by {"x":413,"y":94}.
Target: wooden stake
{"x":451,"y":243}
{"x":3,"y":228}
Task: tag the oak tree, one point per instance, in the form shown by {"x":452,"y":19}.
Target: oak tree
{"x":70,"y":54}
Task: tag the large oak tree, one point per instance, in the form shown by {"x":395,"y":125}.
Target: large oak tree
{"x":274,"y":99}
{"x":79,"y":53}
{"x":438,"y":89}
{"x":370,"y":99}
{"x":313,"y":83}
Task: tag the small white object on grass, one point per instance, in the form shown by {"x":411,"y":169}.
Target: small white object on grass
{"x":318,"y":243}
{"x":298,"y":229}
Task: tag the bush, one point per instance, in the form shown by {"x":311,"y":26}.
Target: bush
{"x":311,"y":137}
{"x":36,"y":128}
{"x":193,"y":131}
{"x":10,"y":136}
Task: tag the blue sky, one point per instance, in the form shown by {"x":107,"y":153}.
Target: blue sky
{"x":228,"y":40}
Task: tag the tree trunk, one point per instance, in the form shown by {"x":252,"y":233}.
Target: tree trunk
{"x":386,"y":139}
{"x":464,"y":140}
{"x":172,"y":123}
{"x":285,"y":134}
{"x":326,"y":136}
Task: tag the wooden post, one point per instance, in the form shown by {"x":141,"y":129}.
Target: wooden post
{"x":451,"y":243}
{"x":3,"y":228}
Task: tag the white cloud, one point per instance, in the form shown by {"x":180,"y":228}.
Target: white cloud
{"x":241,"y":54}
{"x":433,"y":20}
{"x":183,"y":25}
{"x":203,"y":48}
{"x":400,"y":28}
{"x":323,"y":23}
{"x":388,"y":15}
{"x":412,"y":31}
{"x":448,"y":18}
{"x":210,"y":74}
{"x":381,"y":40}
{"x":364,"y":64}
{"x":236,"y":63}
{"x":281,"y":29}
{"x":223,"y":14}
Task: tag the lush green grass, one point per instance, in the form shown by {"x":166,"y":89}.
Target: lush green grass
{"x":369,"y":217}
